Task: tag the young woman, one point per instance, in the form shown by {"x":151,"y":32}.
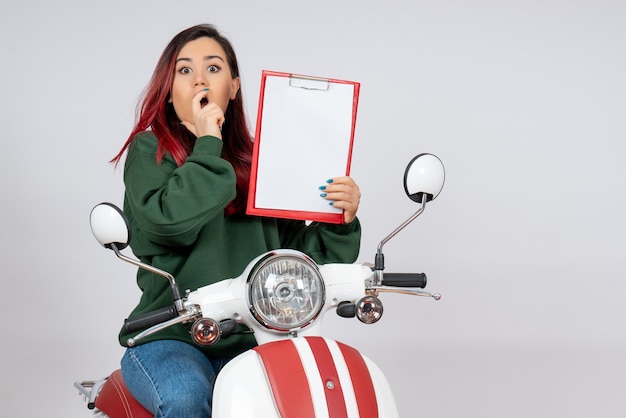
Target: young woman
{"x":186,"y":175}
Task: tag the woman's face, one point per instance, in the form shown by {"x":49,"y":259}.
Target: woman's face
{"x":202,"y":64}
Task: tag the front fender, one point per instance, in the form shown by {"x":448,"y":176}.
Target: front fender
{"x":308,"y":377}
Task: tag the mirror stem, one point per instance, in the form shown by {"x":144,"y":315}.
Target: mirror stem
{"x":379,"y":263}
{"x":173,"y":285}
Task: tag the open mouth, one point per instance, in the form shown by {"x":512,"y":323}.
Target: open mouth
{"x":203,"y":102}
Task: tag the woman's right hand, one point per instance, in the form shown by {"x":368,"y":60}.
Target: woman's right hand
{"x":207,"y":120}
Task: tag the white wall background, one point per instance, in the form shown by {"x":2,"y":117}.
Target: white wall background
{"x":524,"y":101}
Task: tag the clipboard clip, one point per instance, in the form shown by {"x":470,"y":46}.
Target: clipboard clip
{"x":308,"y":82}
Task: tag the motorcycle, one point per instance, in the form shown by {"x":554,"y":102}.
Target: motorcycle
{"x":282,"y":297}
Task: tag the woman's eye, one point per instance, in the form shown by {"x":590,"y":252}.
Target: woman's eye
{"x":184,"y":70}
{"x":213,"y":68}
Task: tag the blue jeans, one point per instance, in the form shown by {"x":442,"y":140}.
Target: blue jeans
{"x":171,"y":378}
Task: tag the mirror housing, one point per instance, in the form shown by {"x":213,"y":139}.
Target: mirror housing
{"x":109,"y":226}
{"x":424,"y":176}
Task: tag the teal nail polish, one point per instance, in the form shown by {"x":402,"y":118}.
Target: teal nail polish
{"x":323,"y":195}
{"x":331,"y":203}
{"x":322,"y":187}
{"x":206,"y":89}
{"x":329,"y":181}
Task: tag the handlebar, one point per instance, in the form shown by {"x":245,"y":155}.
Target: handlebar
{"x":149,"y":319}
{"x":404,"y":280}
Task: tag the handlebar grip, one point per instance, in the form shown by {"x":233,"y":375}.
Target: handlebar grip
{"x":404,"y":279}
{"x":148,"y":319}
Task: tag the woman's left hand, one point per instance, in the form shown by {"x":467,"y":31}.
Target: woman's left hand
{"x":343,"y":193}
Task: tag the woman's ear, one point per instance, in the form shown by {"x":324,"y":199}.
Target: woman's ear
{"x":234,"y":88}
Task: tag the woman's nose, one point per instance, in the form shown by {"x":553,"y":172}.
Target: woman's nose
{"x":200,"y":79}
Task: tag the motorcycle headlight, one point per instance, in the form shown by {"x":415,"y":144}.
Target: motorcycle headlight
{"x":285,"y":291}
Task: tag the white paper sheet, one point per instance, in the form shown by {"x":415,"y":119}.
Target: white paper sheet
{"x":305,"y":139}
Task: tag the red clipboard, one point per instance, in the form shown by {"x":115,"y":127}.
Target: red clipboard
{"x":304,"y":136}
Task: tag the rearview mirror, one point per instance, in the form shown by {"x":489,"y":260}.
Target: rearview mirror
{"x":424,"y":176}
{"x":423,"y":180}
{"x":110,"y":226}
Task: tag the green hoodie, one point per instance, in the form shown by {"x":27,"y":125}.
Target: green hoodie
{"x":178,"y":225}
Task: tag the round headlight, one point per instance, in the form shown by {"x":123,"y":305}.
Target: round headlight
{"x":285,"y":291}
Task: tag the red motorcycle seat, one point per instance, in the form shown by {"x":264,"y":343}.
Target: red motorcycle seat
{"x":116,"y":401}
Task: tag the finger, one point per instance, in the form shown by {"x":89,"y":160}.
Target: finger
{"x":343,"y":204}
{"x":349,"y":203}
{"x":340,"y":196}
{"x":341,"y":183}
{"x":341,"y":189}
{"x":349,"y":209}
{"x":342,"y":192}
{"x":196,"y":100}
{"x":195,"y":108}
{"x":347,"y":180}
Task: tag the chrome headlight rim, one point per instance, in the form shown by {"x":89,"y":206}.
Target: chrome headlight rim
{"x":265,"y":261}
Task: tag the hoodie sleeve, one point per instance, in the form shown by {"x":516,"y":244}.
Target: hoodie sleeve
{"x":169,"y":203}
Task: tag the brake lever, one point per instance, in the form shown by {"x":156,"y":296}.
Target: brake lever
{"x":403,"y":291}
